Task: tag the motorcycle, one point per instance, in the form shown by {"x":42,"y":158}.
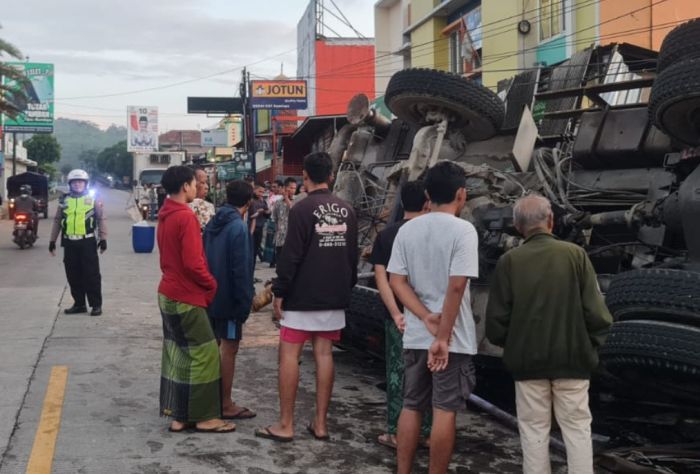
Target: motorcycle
{"x":24,"y":233}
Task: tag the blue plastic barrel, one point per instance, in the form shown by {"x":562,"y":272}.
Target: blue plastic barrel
{"x":143,"y":238}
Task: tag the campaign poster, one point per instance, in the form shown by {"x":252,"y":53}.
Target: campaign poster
{"x":37,"y":116}
{"x":142,"y":129}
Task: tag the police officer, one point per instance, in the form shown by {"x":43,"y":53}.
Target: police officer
{"x":80,"y":219}
{"x":26,"y":203}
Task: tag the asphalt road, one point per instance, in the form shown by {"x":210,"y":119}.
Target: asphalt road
{"x":108,"y":421}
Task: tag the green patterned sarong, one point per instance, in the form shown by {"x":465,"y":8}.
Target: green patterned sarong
{"x":394,"y":381}
{"x":190,"y":383}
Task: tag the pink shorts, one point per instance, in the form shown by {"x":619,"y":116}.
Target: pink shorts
{"x":300,"y":336}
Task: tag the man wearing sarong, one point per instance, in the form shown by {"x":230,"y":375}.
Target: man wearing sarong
{"x":190,"y":384}
{"x":414,"y":203}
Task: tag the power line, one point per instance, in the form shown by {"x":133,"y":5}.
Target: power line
{"x":175,"y":84}
{"x":391,"y":56}
{"x":347,"y":22}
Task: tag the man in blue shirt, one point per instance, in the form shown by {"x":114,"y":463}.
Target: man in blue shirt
{"x":231,"y":261}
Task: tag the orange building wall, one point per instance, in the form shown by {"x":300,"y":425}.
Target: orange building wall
{"x":651,"y":23}
{"x":341,"y":72}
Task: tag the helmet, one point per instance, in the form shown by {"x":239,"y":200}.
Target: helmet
{"x":78,"y":174}
{"x":25,"y":189}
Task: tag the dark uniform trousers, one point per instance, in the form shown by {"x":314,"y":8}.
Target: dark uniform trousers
{"x":83,"y":271}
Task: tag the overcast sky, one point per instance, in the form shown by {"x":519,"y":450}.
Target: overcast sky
{"x":112,"y":47}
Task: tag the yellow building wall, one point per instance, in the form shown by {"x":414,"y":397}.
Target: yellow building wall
{"x":585,"y":26}
{"x":429,"y":48}
{"x":498,"y":49}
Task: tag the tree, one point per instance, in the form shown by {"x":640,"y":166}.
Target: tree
{"x":44,"y":149}
{"x":116,"y":160}
{"x":13,"y":98}
{"x":65,"y":169}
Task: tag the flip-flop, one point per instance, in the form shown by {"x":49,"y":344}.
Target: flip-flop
{"x":385,"y":440}
{"x":310,"y":429}
{"x":267,"y":434}
{"x":244,"y":414}
{"x":222,"y":428}
{"x":185,"y":427}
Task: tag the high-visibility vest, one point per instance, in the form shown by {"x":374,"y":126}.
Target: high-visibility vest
{"x":78,"y":215}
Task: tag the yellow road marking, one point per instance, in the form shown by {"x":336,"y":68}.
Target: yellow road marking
{"x":41,"y":458}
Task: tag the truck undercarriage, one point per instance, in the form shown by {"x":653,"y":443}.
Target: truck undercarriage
{"x":608,"y":137}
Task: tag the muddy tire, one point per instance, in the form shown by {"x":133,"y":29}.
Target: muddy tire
{"x":674,"y":106}
{"x":472,"y":108}
{"x":680,"y":44}
{"x":659,"y":294}
{"x":652,"y":345}
{"x":364,"y":324}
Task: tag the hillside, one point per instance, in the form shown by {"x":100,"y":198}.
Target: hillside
{"x":77,"y":136}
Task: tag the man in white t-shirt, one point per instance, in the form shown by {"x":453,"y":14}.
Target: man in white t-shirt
{"x":432,"y":282}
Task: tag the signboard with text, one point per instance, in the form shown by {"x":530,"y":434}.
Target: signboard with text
{"x":38,"y":115}
{"x":216,"y":137}
{"x":276,"y":95}
{"x":142,"y":128}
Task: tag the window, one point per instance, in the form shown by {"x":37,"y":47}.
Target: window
{"x":463,"y":58}
{"x":551,"y":18}
{"x":456,"y":62}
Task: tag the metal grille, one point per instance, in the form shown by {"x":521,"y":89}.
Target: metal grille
{"x":568,"y":75}
{"x":520,"y":93}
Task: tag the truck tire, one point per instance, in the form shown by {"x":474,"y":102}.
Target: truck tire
{"x":652,"y":345}
{"x":659,"y":294}
{"x":680,"y":44}
{"x":364,"y":324}
{"x":674,"y":106}
{"x":473,"y":108}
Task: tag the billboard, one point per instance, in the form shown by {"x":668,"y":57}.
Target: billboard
{"x":214,"y":105}
{"x":38,"y":116}
{"x":142,"y":128}
{"x":278,"y":94}
{"x":215,"y":137}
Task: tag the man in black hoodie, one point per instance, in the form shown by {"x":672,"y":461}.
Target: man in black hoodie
{"x":315,"y":275}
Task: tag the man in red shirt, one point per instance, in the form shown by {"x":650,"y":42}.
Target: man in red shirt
{"x":190,"y":384}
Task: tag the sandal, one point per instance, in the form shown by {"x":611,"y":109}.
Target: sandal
{"x":222,"y":428}
{"x":310,"y":428}
{"x":185,"y":427}
{"x":385,"y":439}
{"x":267,"y":434}
{"x":243,"y":414}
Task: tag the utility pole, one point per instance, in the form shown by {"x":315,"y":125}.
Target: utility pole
{"x":243,"y":92}
{"x":14,"y":153}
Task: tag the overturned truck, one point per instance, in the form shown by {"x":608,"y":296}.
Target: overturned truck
{"x":609,"y":136}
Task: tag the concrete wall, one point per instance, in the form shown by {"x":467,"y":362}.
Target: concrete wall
{"x":655,"y":16}
{"x":429,"y":48}
{"x":390,"y":19}
{"x":500,"y":41}
{"x":343,"y":68}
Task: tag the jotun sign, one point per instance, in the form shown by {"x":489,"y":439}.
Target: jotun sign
{"x":278,"y":95}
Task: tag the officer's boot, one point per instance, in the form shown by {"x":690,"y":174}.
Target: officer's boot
{"x":76,"y":310}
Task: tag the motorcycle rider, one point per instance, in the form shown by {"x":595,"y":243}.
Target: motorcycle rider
{"x":27,"y":204}
{"x":80,"y":219}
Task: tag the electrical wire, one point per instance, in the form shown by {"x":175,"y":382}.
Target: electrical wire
{"x":179,"y":83}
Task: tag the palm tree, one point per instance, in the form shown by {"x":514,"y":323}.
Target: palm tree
{"x":13,"y":99}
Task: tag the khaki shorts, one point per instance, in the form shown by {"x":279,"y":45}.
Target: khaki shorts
{"x":447,"y":390}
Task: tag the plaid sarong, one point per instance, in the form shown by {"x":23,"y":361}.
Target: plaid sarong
{"x":269,"y":243}
{"x":190,"y":382}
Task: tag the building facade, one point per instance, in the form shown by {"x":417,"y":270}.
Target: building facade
{"x":334,"y":68}
{"x":492,"y":40}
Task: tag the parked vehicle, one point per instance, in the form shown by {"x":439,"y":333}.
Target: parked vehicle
{"x":24,"y":233}
{"x":622,"y":175}
{"x":40,"y":190}
{"x":149,"y":167}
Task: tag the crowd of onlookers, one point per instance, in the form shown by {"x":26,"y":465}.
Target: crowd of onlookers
{"x":545,"y":309}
